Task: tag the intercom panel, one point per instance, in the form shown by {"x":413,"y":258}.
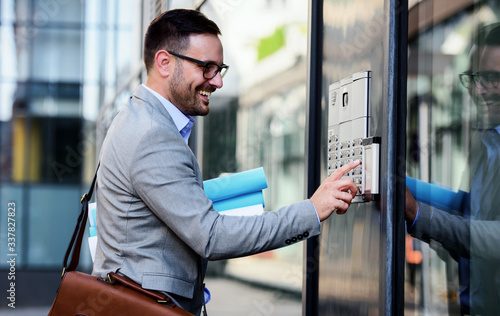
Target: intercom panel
{"x":348,"y":134}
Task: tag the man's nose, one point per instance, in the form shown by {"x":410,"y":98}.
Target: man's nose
{"x":216,"y":81}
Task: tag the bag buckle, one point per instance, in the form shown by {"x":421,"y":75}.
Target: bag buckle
{"x":83,"y":197}
{"x":110,"y":280}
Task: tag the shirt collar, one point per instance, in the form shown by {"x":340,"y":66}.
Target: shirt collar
{"x":182,"y":122}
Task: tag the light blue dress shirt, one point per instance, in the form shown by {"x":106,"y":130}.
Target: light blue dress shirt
{"x":182,"y":122}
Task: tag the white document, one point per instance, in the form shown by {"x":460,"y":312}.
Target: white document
{"x":92,"y":213}
{"x":92,"y":246}
{"x":245,"y":211}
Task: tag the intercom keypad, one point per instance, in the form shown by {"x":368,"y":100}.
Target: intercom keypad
{"x":365,"y":150}
{"x":349,"y":135}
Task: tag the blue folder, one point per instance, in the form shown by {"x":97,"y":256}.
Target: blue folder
{"x":237,"y":184}
{"x":249,"y":199}
{"x":435,"y":195}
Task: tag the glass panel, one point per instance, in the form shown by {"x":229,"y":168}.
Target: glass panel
{"x":454,"y":269}
{"x":112,"y":55}
{"x":46,"y":149}
{"x":258,"y":117}
{"x":60,"y":63}
{"x":53,"y":212}
{"x":12,"y":201}
{"x":57,"y":47}
{"x":56,"y":11}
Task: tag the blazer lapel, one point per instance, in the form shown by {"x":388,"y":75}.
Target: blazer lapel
{"x":143,"y":94}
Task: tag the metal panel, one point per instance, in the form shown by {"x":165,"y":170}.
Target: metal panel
{"x":360,"y":257}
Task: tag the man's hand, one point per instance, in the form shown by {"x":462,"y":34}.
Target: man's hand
{"x":335,"y":193}
{"x":411,"y":207}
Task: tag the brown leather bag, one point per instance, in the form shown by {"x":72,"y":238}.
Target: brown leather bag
{"x":81,"y":294}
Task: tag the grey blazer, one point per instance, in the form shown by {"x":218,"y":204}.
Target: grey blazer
{"x":154,"y":221}
{"x":476,"y":237}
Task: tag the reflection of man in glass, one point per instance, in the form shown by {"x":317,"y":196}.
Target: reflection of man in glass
{"x":473,"y":238}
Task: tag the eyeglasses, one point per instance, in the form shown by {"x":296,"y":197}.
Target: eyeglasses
{"x":487,"y":79}
{"x":210,"y":70}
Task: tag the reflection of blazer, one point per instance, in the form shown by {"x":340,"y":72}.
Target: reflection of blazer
{"x":154,"y":220}
{"x":477,"y":237}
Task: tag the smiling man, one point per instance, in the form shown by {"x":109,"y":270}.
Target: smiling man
{"x":472,"y":237}
{"x":154,"y":222}
{"x":486,"y":89}
{"x":185,"y":86}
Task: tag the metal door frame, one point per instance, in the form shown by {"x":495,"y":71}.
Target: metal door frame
{"x":393,"y":191}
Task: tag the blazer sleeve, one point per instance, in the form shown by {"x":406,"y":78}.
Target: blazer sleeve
{"x":163,"y":174}
{"x":452,"y":231}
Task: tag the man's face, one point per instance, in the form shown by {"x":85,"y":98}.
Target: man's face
{"x":188,"y":90}
{"x":488,"y":96}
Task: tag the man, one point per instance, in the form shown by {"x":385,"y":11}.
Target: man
{"x":154,"y":221}
{"x":473,"y":238}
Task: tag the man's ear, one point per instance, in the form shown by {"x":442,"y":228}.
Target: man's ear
{"x":163,"y":63}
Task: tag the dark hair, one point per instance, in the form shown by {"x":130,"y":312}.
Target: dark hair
{"x":486,"y":35}
{"x":171,"y":30}
{"x":493,"y":35}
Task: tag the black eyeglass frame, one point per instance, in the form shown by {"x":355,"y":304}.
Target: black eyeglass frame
{"x":483,"y":78}
{"x":205,"y":64}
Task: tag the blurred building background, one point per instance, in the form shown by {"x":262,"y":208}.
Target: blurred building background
{"x":67,"y":66}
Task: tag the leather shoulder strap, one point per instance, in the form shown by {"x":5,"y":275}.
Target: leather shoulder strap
{"x":76,"y":240}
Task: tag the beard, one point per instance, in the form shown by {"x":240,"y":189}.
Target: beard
{"x":186,"y":97}
{"x":489,"y":109}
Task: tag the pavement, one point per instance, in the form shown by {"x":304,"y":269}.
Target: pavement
{"x":230,"y":297}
